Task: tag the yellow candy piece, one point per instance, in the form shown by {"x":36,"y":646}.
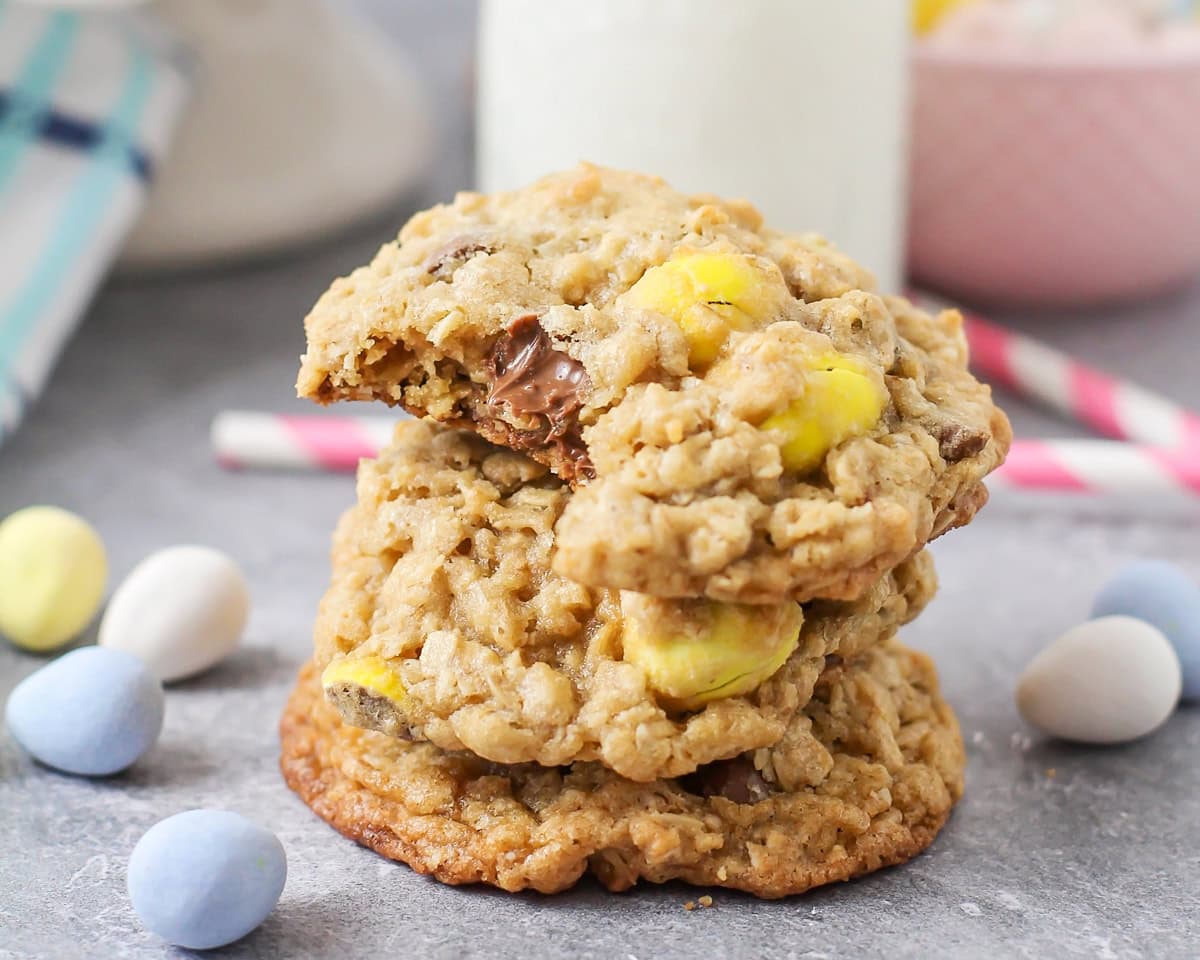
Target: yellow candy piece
{"x":708,"y":295}
{"x":840,"y":401}
{"x":372,"y":674}
{"x":53,"y":568}
{"x":736,"y":648}
{"x":927,"y":13}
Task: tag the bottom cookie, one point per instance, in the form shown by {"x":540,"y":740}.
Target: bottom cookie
{"x":864,"y":778}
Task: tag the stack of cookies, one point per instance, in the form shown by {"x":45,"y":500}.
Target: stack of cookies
{"x":624,"y":599}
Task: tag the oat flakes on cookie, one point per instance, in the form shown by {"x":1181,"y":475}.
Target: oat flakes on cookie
{"x":445,"y":622}
{"x":744,"y":417}
{"x":864,"y":777}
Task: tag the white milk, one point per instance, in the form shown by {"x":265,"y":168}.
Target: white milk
{"x":799,"y":105}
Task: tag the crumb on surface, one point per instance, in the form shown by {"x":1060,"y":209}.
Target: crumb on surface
{"x":690,"y":906}
{"x":1051,"y":772}
{"x":706,"y":901}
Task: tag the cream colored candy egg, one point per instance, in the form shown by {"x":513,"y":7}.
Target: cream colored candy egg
{"x":52,"y":574}
{"x":181,"y":610}
{"x":1105,"y":681}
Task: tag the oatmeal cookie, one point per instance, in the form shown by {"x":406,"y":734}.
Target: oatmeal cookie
{"x":445,"y":622}
{"x":745,"y":417}
{"x":864,"y":777}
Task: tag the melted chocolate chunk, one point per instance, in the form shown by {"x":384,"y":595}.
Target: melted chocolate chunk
{"x":957,"y":442}
{"x":734,"y":779}
{"x":532,"y":380}
{"x":455,"y":252}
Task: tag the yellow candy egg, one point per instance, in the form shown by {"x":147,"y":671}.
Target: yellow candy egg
{"x":840,"y":400}
{"x":53,"y":568}
{"x":927,"y":13}
{"x":708,"y":295}
{"x":726,"y":650}
{"x":371,"y":674}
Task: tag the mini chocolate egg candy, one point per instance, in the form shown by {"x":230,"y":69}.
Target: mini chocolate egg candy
{"x":1104,"y":681}
{"x":92,"y":712}
{"x":1165,"y":596}
{"x":181,"y":610}
{"x":205,"y":878}
{"x":52,"y":573}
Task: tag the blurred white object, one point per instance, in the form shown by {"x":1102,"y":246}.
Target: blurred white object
{"x":798,"y":105}
{"x":303,"y":121}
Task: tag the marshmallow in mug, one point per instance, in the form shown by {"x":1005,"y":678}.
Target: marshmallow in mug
{"x":1062,"y":26}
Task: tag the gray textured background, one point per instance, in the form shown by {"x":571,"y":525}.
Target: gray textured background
{"x":1099,"y":860}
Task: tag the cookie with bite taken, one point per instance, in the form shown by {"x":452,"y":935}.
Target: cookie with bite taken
{"x":742,"y":416}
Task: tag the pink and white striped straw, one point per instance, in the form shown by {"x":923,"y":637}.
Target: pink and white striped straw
{"x":276,"y":441}
{"x":246,"y":440}
{"x":1100,"y":466}
{"x":1112,"y":407}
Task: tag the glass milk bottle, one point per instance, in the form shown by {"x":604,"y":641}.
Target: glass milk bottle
{"x":798,"y":105}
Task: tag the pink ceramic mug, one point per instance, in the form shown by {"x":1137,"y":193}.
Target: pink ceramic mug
{"x":1066,"y":182}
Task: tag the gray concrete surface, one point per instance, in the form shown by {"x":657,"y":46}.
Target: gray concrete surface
{"x":1056,"y":851}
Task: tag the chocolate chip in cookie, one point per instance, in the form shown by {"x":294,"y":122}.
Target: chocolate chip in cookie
{"x":735,"y":779}
{"x":957,"y":442}
{"x":454,"y":252}
{"x":533,"y":380}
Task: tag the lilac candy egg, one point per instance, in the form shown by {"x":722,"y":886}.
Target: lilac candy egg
{"x":91,"y":712}
{"x":205,"y":878}
{"x":1164,"y":596}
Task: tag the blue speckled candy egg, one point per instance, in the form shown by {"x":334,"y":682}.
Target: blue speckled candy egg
{"x":205,"y":878}
{"x":1164,"y":596}
{"x":92,"y":712}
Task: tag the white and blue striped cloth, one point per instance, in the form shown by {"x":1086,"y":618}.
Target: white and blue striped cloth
{"x":88,"y":102}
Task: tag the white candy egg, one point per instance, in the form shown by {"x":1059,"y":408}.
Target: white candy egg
{"x":1105,"y":681}
{"x":180,"y":610}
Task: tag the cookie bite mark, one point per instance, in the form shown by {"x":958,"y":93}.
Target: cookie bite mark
{"x":533,"y":382}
